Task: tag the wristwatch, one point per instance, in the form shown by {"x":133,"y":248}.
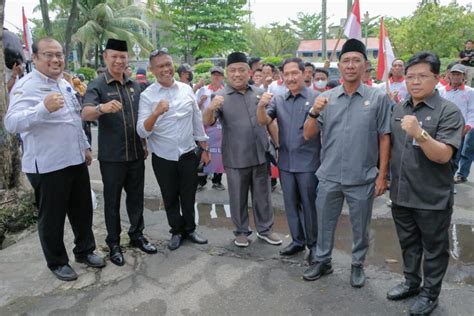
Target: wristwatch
{"x":98,"y":108}
{"x":312,"y":114}
{"x":423,"y":137}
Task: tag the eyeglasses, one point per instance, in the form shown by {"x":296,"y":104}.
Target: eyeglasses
{"x":421,"y":78}
{"x":50,"y":56}
{"x":158,"y":52}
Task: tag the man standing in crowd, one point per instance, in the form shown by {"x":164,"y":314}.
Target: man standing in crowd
{"x":321,"y":77}
{"x":112,"y":99}
{"x":44,"y":110}
{"x":244,"y":146}
{"x":398,"y":86}
{"x":463,"y":97}
{"x":171,"y":120}
{"x":309,"y":70}
{"x":298,"y":158}
{"x":349,"y":116}
{"x":255,"y":63}
{"x":426,"y":132}
{"x":467,"y":59}
{"x":214,"y":132}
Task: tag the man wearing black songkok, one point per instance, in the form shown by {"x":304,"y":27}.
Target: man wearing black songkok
{"x":354,"y":121}
{"x":112,"y":99}
{"x":244,"y":144}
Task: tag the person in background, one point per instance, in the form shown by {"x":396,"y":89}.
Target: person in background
{"x":258,"y":78}
{"x":142,"y":79}
{"x":321,"y":76}
{"x":214,"y":132}
{"x":466,"y":57}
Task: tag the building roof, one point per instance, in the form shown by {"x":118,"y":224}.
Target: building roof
{"x":316,"y":45}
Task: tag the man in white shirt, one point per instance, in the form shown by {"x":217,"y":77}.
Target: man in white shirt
{"x":170,"y":119}
{"x":44,"y":110}
{"x":463,"y":96}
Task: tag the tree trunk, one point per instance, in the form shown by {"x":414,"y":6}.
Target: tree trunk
{"x":70,"y":26}
{"x":45,"y":15}
{"x":9,"y":153}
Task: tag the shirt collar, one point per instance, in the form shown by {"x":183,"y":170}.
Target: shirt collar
{"x":449,"y":88}
{"x":432,"y":101}
{"x":303,"y":93}
{"x":109,"y":79}
{"x":229,"y":90}
{"x":360,"y":90}
{"x":174,"y":85}
{"x":45,"y":78}
{"x":399,"y":80}
{"x":211,"y":87}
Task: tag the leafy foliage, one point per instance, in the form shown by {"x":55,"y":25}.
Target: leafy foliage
{"x":201,"y":68}
{"x":89,"y":73}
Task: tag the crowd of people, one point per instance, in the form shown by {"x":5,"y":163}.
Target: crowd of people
{"x":329,"y":142}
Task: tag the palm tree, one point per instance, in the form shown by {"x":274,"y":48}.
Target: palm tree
{"x":100,"y":20}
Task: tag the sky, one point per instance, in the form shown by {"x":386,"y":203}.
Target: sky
{"x":264,"y":11}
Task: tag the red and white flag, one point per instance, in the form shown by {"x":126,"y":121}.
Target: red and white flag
{"x":353,"y":28}
{"x":386,"y":55}
{"x":27,"y":38}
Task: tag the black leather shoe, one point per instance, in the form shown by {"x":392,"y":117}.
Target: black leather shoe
{"x":423,"y":306}
{"x":116,"y":256}
{"x":357,"y":276}
{"x":92,"y":260}
{"x":175,"y":242}
{"x":402,"y":291}
{"x":64,"y":273}
{"x":291,"y":249}
{"x":317,"y":270}
{"x":143,"y":244}
{"x":196,"y":238}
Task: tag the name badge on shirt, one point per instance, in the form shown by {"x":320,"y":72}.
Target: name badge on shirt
{"x":45,"y":89}
{"x":414,"y":142}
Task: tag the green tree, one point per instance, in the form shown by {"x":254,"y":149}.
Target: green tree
{"x":441,"y":29}
{"x":101,"y":20}
{"x":205,"y":28}
{"x":308,"y":26}
{"x":274,"y":40}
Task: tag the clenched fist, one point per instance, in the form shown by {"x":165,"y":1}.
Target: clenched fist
{"x":111,"y":107}
{"x":265,"y":99}
{"x":411,"y":126}
{"x":216,"y":102}
{"x":54,"y":101}
{"x":162,"y":107}
{"x":319,"y":104}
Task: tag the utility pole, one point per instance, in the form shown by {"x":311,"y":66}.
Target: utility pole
{"x":323,"y":31}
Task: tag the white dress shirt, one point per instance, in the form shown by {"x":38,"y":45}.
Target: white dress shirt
{"x":51,"y":141}
{"x":175,"y":132}
{"x":463,"y":97}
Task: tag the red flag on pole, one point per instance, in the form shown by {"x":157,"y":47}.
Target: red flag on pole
{"x":353,"y":28}
{"x":27,"y":38}
{"x":386,"y":55}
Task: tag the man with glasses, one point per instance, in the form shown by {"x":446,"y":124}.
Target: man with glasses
{"x":426,"y":133}
{"x":244,"y":146}
{"x":112,"y":99}
{"x":354,"y":121}
{"x":170,"y":119}
{"x":44,"y":110}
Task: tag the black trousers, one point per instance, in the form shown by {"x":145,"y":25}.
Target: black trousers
{"x":60,"y":193}
{"x":178,"y":183}
{"x":130,"y":176}
{"x":216,"y":178}
{"x":423,"y":236}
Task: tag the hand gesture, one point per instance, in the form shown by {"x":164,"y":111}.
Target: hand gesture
{"x":217,"y":102}
{"x":410,"y":125}
{"x":162,"y":107}
{"x":319,"y":104}
{"x":202,"y":99}
{"x":113,"y":106}
{"x":54,"y":101}
{"x":88,"y":156}
{"x":268,"y":80}
{"x":265,"y":99}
